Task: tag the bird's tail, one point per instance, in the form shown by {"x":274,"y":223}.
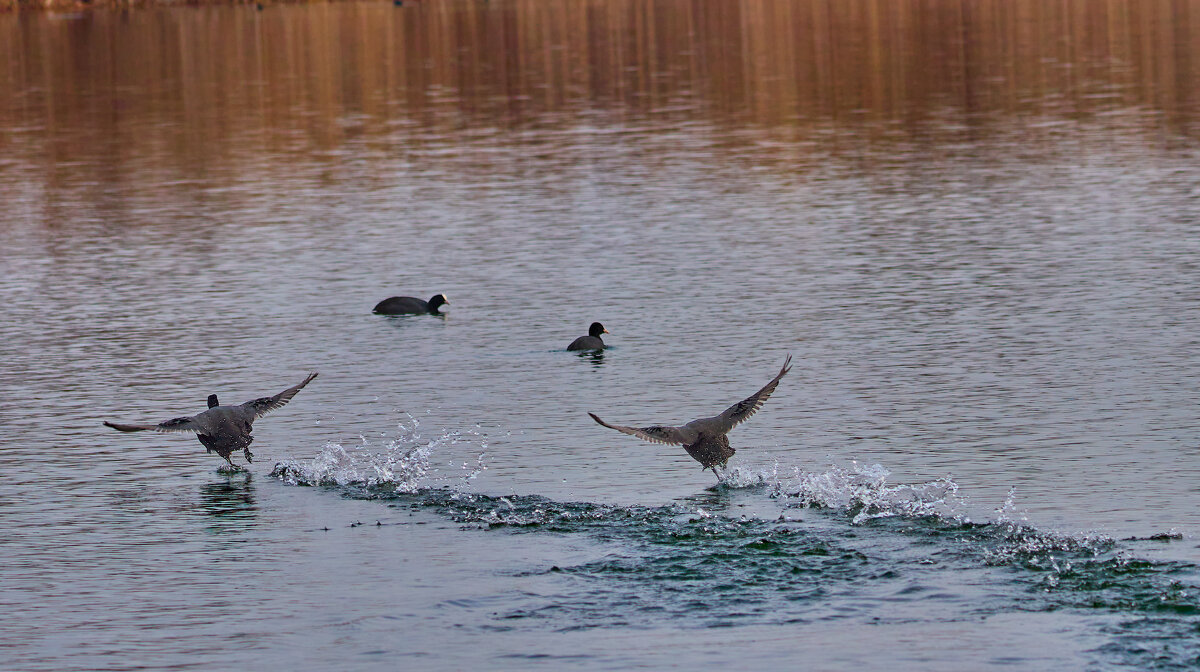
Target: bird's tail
{"x":125,"y":428}
{"x":597,"y":419}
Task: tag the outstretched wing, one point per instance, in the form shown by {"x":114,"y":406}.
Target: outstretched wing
{"x":654,"y":434}
{"x":263,"y":405}
{"x":741,"y":411}
{"x":173,"y":425}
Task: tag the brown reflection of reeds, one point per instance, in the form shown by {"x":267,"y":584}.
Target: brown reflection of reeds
{"x":199,"y":86}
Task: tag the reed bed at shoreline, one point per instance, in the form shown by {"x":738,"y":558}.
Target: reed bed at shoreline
{"x":77,"y":5}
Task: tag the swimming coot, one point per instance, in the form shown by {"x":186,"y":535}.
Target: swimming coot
{"x":592,"y":341}
{"x":411,"y":305}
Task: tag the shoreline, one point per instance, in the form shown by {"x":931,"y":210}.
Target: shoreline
{"x":18,"y":6}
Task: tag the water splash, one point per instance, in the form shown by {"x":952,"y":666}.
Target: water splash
{"x":862,"y":490}
{"x":1055,"y":561}
{"x":399,"y":465}
{"x":1008,"y":513}
{"x":905,"y":546}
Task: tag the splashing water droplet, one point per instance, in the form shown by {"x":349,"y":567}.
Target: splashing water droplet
{"x":400,"y":465}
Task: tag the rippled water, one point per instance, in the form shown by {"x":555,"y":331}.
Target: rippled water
{"x":974,"y":228}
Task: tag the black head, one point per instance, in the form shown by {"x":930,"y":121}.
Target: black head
{"x":596,"y":329}
{"x":212,"y":401}
{"x":437,"y":301}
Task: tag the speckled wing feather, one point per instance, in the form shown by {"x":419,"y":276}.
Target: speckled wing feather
{"x":172,"y":425}
{"x":741,"y":411}
{"x":263,"y":405}
{"x":654,"y":434}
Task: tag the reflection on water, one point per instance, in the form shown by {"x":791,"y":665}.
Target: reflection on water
{"x":216,"y":95}
{"x":229,"y":498}
{"x":399,"y":321}
{"x":593,"y":357}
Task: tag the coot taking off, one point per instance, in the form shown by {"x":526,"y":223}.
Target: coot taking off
{"x":411,"y":305}
{"x":223,"y":429}
{"x":592,"y":341}
{"x":705,"y":439}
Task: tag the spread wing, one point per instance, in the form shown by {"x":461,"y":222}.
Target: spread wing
{"x":173,"y":425}
{"x":263,"y":405}
{"x":654,"y":434}
{"x":741,"y":411}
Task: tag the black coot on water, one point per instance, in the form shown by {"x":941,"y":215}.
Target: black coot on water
{"x":592,"y":341}
{"x":411,"y":305}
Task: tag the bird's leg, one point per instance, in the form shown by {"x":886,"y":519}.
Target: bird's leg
{"x":249,"y":455}
{"x":716,"y":473}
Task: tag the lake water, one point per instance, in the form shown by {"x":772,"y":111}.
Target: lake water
{"x":975,"y":226}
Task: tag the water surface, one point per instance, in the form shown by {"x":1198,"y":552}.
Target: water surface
{"x":974,"y":227}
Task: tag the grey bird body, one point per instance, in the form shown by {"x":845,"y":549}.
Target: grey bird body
{"x":705,"y":439}
{"x":222,"y":429}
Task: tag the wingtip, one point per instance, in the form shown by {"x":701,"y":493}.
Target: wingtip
{"x":597,"y":418}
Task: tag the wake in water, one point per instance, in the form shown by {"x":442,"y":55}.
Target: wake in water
{"x":399,"y":465}
{"x":863,"y":491}
{"x":874,"y":552}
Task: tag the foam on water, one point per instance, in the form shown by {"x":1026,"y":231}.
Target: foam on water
{"x":872,"y":550}
{"x":859,"y":495}
{"x":863,"y":493}
{"x":862,"y":490}
{"x":401,"y":464}
{"x":878,"y":544}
